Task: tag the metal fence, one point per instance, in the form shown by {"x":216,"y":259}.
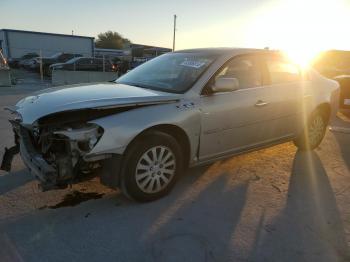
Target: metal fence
{"x":39,"y":61}
{"x":120,"y":62}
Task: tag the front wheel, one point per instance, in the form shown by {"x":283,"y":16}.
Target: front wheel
{"x":313,"y":133}
{"x":152,"y":166}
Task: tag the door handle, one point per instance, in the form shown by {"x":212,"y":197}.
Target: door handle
{"x":261,"y":103}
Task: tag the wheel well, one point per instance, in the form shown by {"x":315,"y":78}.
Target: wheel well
{"x":177,"y":133}
{"x":325,"y":110}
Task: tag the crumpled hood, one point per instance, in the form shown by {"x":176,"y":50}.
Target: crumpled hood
{"x":74,"y":97}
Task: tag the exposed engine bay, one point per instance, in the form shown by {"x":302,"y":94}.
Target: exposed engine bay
{"x":57,"y":144}
{"x":64,"y":148}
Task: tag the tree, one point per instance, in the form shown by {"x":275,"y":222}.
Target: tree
{"x":111,"y":40}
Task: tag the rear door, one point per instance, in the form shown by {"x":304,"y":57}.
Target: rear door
{"x":93,"y":64}
{"x":238,"y":120}
{"x":286,"y":90}
{"x":85,"y":64}
{"x":99,"y":64}
{"x":80,"y":64}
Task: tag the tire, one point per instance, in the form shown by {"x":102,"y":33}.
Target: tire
{"x":145,"y":177}
{"x":313,"y":133}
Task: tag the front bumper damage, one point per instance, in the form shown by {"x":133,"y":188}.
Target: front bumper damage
{"x":11,"y":152}
{"x":57,"y":157}
{"x":8,"y":157}
{"x":36,"y":164}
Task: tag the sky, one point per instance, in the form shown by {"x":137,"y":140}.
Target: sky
{"x":299,"y":26}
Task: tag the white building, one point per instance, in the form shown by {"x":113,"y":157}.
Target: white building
{"x":16,"y":43}
{"x":112,"y":53}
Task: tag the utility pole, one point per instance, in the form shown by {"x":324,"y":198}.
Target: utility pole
{"x":41,"y":66}
{"x":174,"y":32}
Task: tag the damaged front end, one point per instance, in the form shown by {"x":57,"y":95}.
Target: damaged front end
{"x":56,"y":138}
{"x":54,"y":151}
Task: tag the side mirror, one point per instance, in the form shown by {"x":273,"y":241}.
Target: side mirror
{"x":225,"y":84}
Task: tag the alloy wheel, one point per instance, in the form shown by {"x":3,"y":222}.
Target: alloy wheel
{"x":155,"y":169}
{"x":316,"y":130}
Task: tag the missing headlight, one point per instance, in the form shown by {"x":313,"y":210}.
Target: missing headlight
{"x":85,"y":136}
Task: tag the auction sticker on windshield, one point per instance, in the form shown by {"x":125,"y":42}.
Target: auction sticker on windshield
{"x":192,"y":63}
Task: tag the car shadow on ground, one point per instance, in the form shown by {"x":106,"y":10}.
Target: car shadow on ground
{"x":309,"y":228}
{"x":155,"y":231}
{"x":196,"y":222}
{"x":199,"y":222}
{"x":343,"y":140}
{"x":13,"y":180}
{"x":342,"y":136}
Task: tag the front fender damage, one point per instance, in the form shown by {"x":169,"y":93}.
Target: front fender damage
{"x":56,"y":147}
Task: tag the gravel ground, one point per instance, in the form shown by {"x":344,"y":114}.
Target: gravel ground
{"x":275,"y":204}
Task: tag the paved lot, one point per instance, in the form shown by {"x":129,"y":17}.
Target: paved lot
{"x":275,"y":204}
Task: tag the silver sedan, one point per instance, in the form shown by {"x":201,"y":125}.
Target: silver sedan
{"x":181,"y":109}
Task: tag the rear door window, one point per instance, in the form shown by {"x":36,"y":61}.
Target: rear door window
{"x":282,"y":71}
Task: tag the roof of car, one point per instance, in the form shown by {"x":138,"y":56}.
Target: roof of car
{"x":226,"y":50}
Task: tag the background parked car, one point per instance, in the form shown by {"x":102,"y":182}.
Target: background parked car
{"x":48,"y":61}
{"x":333,"y":63}
{"x":85,"y":64}
{"x":27,"y":63}
{"x":27,"y":59}
{"x":344,"y":97}
{"x":16,"y":62}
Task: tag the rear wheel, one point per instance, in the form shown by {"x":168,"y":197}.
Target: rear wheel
{"x":152,"y":166}
{"x":313,"y":133}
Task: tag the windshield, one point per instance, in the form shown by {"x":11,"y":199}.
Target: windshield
{"x":172,"y":72}
{"x":27,"y":56}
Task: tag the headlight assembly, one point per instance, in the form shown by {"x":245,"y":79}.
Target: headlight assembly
{"x":16,"y":116}
{"x":86,"y":136}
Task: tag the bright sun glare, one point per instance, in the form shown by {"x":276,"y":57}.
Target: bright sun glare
{"x":300,"y":28}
